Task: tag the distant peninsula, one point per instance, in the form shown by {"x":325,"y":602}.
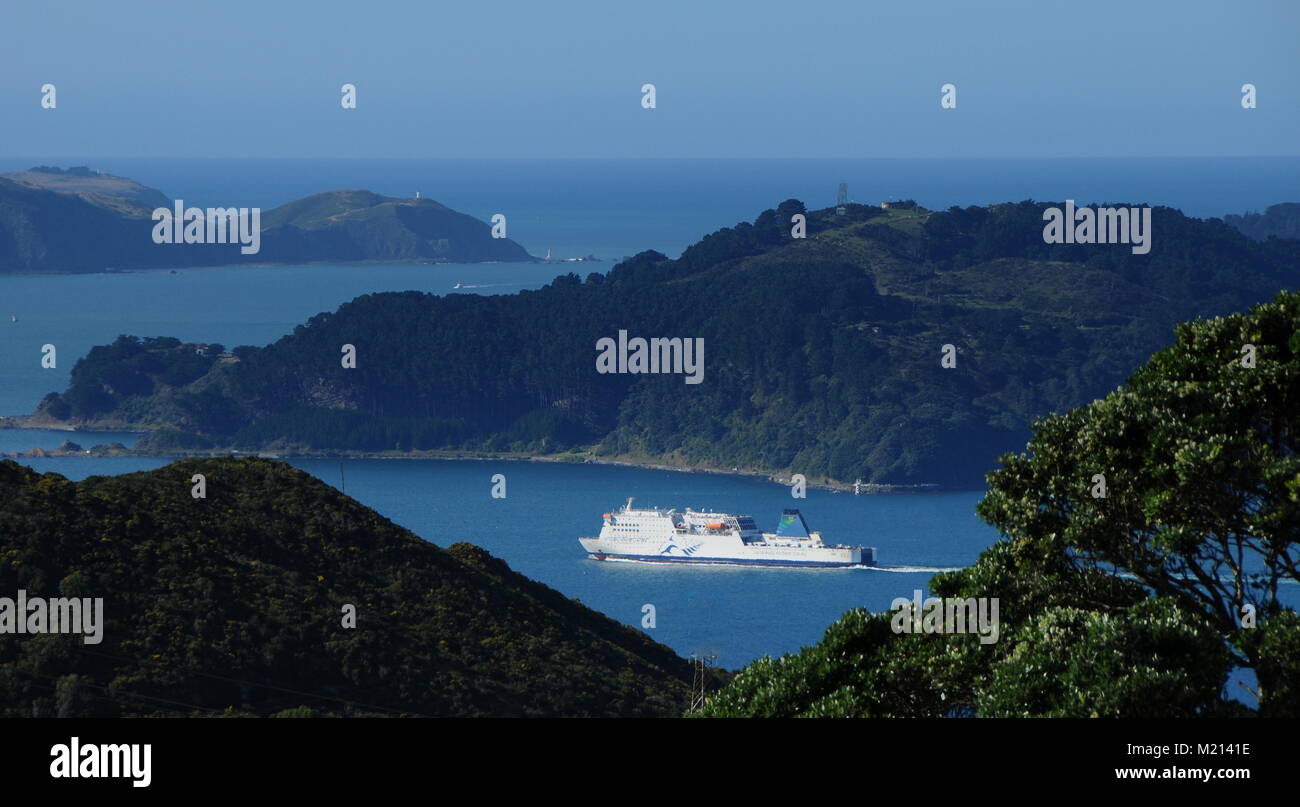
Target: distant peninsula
{"x":81,"y":220}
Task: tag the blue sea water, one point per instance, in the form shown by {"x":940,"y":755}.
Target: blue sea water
{"x":22,"y":440}
{"x":234,"y":305}
{"x":611,"y":209}
{"x":737,"y":613}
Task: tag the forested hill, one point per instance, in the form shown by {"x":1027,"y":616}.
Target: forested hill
{"x":355,"y":225}
{"x":234,"y":603}
{"x":1282,"y":221}
{"x":822,"y":355}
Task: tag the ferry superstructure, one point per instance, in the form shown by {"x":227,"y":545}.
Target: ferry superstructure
{"x":655,"y":535}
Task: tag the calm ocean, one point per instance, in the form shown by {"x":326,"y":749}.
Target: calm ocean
{"x":610,"y":209}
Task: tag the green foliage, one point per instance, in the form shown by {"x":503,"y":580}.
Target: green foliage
{"x":313,"y":428}
{"x":1280,"y":220}
{"x":859,"y":669}
{"x":234,"y":602}
{"x":165,"y":440}
{"x":1275,"y":644}
{"x":1152,"y":660}
{"x":56,"y":407}
{"x":1200,"y":461}
{"x":822,"y":354}
{"x":1128,"y":605}
{"x":298,"y":711}
{"x":354,"y":225}
{"x":130,"y":368}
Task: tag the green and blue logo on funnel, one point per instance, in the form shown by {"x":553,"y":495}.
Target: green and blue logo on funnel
{"x":792,"y":525}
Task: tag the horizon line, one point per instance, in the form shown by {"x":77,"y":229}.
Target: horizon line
{"x":661,"y":159}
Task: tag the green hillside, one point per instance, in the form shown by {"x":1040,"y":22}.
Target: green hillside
{"x":360,"y":225}
{"x":822,"y":355}
{"x":1280,"y":221}
{"x":105,"y":190}
{"x":80,"y":220}
{"x":234,"y":604}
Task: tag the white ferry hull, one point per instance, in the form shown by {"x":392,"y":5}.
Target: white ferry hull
{"x":749,"y":555}
{"x":668,"y":536}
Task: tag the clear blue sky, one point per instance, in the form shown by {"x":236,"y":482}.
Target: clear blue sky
{"x":808,"y":78}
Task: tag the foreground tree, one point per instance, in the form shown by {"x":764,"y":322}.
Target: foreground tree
{"x":1147,"y":538}
{"x":1187,"y":479}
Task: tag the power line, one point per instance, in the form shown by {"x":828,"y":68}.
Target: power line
{"x":112,"y":697}
{"x":700,"y":665}
{"x":388,"y":710}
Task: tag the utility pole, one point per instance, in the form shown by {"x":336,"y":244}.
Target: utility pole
{"x":700,"y":664}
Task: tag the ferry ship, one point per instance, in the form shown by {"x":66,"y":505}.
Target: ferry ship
{"x":669,"y":536}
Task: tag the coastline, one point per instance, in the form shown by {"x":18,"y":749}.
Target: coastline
{"x":575,"y":457}
{"x":532,"y":259}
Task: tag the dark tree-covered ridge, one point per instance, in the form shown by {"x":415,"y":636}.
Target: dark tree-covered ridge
{"x":822,"y":354}
{"x":234,"y":604}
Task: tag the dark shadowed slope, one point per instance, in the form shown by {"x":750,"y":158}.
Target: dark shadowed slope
{"x":235,"y":602}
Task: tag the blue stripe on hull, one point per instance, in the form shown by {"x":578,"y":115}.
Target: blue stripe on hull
{"x":727,"y":561}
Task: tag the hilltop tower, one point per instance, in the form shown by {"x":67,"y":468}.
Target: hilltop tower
{"x":700,"y":665}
